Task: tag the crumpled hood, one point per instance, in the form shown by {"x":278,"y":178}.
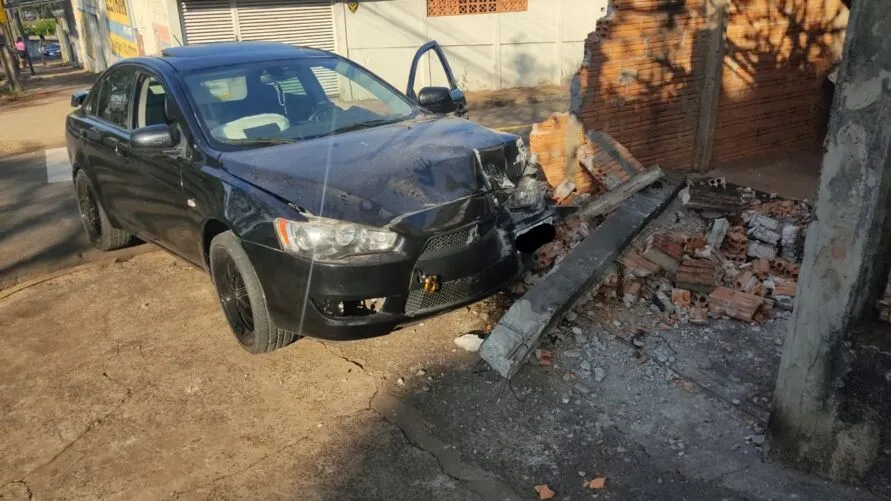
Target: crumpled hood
{"x":378,"y":174}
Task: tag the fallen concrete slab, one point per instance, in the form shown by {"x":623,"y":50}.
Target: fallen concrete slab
{"x":518,"y":332}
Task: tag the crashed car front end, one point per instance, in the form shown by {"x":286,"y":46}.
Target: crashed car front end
{"x":446,"y":255}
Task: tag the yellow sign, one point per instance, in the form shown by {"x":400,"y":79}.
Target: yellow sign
{"x":2,"y":13}
{"x":353,"y":6}
{"x":117,"y":11}
{"x":123,"y":47}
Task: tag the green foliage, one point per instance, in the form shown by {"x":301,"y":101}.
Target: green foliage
{"x":45,"y":27}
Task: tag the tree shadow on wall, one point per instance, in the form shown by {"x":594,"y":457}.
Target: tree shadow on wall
{"x":647,"y":70}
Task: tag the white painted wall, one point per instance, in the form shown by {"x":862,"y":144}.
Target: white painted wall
{"x":543,"y":45}
{"x":152,"y":25}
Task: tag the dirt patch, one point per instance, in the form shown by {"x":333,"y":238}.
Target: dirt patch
{"x":519,"y":96}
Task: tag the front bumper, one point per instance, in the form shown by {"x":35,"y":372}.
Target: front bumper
{"x":470,"y":262}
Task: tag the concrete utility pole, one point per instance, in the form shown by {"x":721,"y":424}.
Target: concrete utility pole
{"x":9,"y":69}
{"x":18,"y":23}
{"x":844,"y":264}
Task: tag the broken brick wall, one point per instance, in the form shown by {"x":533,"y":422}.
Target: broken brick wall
{"x":777,"y":55}
{"x":642,"y":77}
{"x":644,"y":71}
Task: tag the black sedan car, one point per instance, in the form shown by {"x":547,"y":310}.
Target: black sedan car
{"x":322,"y":201}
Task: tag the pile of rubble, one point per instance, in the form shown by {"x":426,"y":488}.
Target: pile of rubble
{"x":744,"y":267}
{"x":590,"y":172}
{"x":577,"y":165}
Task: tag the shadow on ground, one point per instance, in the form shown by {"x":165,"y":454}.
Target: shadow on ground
{"x":122,"y":380}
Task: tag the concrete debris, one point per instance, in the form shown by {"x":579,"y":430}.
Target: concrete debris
{"x":765,"y":235}
{"x":663,"y":302}
{"x":783,"y":302}
{"x":469,"y":342}
{"x":757,"y":220}
{"x":519,"y":331}
{"x":790,"y":242}
{"x":599,"y":374}
{"x":564,"y":190}
{"x":731,"y":271}
{"x":609,"y":201}
{"x":718,"y":232}
{"x":761,"y":250}
{"x":631,"y":293}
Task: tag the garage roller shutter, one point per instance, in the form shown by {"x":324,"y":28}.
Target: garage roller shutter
{"x":296,"y":22}
{"x":206,"y":21}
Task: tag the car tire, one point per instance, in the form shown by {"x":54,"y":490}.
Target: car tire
{"x":242,"y":298}
{"x":99,"y":229}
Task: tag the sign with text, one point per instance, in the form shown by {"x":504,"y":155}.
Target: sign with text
{"x":122,"y":40}
{"x":117,"y":11}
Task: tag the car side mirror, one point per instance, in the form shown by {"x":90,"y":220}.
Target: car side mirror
{"x":78,"y":98}
{"x":437,"y":99}
{"x":154,"y":137}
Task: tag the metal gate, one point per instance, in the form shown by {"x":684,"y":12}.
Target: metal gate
{"x":296,"y":22}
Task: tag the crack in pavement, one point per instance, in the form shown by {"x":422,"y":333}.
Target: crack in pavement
{"x":93,"y":424}
{"x":340,"y":355}
{"x":23,"y":484}
{"x":177,"y":494}
{"x":409,"y":421}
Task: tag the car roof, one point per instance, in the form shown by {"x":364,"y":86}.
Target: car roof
{"x":201,"y":56}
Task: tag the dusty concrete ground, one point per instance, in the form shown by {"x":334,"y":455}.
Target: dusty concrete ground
{"x":120,"y":380}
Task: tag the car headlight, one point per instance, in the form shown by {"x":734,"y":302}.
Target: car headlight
{"x":331,"y":240}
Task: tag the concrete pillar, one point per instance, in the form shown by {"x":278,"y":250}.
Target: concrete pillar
{"x":811,"y":427}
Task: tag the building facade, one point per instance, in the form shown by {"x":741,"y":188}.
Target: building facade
{"x":491,"y":44}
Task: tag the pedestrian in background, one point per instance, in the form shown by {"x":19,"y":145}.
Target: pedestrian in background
{"x":42,"y":47}
{"x":22,"y":51}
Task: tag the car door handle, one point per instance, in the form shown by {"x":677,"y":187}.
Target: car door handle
{"x":89,"y":135}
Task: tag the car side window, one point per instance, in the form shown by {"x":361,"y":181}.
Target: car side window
{"x":150,"y":106}
{"x":113,"y":104}
{"x":90,"y":103}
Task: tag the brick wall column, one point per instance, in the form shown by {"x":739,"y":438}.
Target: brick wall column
{"x":716,"y":25}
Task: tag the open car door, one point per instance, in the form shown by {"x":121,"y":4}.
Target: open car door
{"x":436,"y":99}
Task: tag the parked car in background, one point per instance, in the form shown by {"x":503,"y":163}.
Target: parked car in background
{"x":52,"y":50}
{"x":322,"y":201}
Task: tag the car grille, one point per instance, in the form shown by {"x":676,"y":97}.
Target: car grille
{"x":460,"y":289}
{"x":447,"y":241}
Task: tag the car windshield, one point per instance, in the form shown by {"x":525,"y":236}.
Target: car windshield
{"x":272,"y":102}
